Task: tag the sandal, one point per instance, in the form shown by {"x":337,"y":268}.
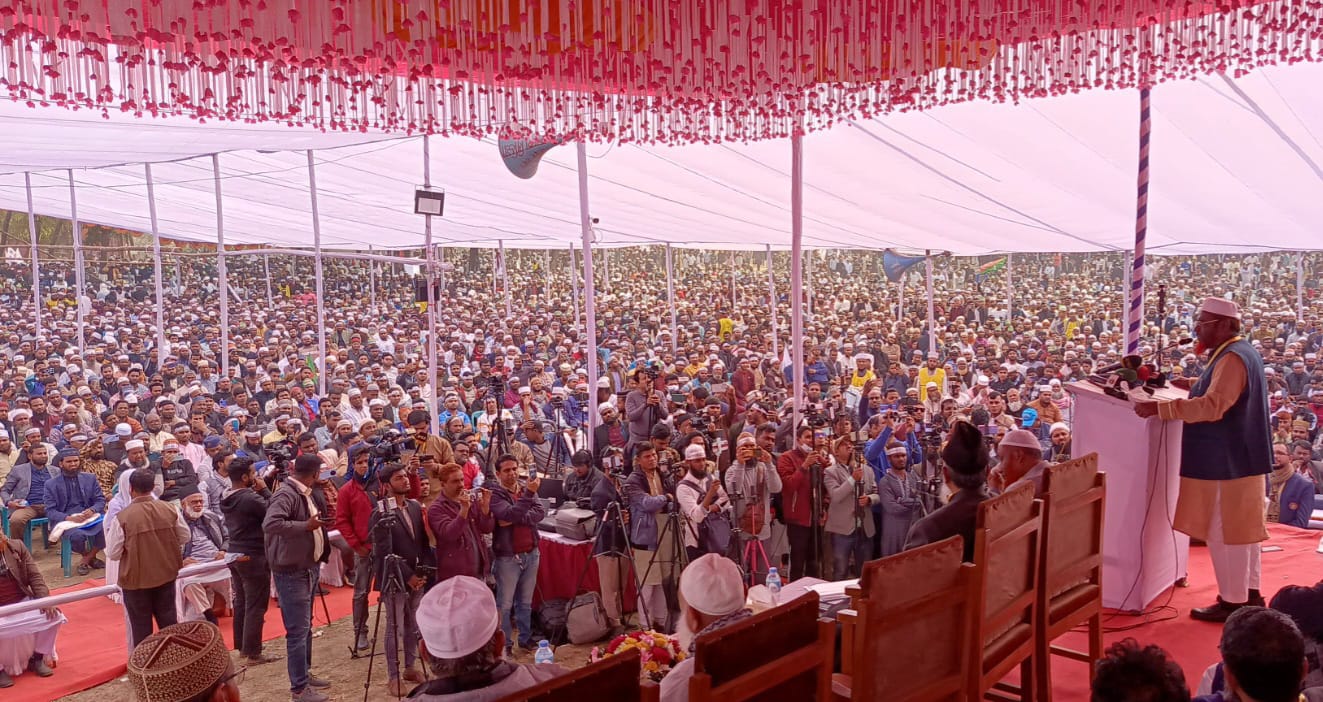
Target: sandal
{"x":84,"y":569}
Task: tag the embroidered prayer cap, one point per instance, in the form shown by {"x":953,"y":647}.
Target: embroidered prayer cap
{"x":1221,"y":307}
{"x":178,"y":662}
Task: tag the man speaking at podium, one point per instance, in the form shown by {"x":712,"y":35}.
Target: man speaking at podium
{"x":1226,"y":449}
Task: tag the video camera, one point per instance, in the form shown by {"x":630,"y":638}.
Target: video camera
{"x":816,"y":415}
{"x":280,"y":454}
{"x":386,"y":447}
{"x":613,"y":462}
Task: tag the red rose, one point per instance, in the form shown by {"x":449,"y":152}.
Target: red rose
{"x":661,"y":655}
{"x":615,"y":644}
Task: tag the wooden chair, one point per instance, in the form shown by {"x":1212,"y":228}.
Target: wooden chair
{"x":1070,"y":570}
{"x":784,"y":653}
{"x":613,"y":678}
{"x":1006,"y":551}
{"x":909,"y":639}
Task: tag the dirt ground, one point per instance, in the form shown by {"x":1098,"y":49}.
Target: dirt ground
{"x":48,"y":562}
{"x":270,"y":683}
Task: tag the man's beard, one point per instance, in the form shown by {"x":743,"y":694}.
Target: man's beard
{"x":193,"y":514}
{"x":683,"y":634}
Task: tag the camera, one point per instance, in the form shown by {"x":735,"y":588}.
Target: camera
{"x":280,"y":454}
{"x":386,"y":448}
{"x":816,"y":415}
{"x":496,"y":385}
{"x":613,"y":461}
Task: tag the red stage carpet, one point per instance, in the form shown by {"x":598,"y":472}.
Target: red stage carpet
{"x":92,"y":644}
{"x":1193,"y":643}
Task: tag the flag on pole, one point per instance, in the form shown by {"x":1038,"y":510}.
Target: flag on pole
{"x":988,"y":265}
{"x":895,"y":265}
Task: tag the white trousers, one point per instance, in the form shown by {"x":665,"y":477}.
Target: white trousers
{"x":1237,"y":566}
{"x":652,"y":610}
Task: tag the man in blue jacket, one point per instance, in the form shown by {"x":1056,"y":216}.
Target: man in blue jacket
{"x":76,"y":496}
{"x":517,"y":511}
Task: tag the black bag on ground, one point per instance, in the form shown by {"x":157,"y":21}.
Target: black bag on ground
{"x":549,"y":621}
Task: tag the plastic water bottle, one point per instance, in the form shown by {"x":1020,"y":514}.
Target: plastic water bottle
{"x":544,"y":654}
{"x":774,"y":585}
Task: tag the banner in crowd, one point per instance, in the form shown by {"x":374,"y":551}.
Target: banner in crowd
{"x":895,"y":265}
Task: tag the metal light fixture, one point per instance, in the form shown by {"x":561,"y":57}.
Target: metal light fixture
{"x":429,"y":201}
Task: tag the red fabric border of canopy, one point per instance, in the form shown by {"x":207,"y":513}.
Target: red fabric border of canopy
{"x":660,"y":71}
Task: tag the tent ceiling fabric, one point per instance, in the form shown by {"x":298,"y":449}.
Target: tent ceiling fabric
{"x":1235,"y":169}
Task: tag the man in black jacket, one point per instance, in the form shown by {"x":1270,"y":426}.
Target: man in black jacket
{"x":180,"y":477}
{"x":296,"y":546}
{"x":244,"y":508}
{"x":405,"y":537}
{"x":966,"y":469}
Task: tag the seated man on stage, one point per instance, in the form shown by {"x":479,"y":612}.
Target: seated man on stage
{"x":463,"y":646}
{"x":966,"y":459}
{"x":202,"y":596}
{"x":27,"y":641}
{"x":711,"y":597}
{"x":75,"y":497}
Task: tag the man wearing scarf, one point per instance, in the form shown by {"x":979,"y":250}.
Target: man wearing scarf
{"x":1226,"y":449}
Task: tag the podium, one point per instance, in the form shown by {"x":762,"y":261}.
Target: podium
{"x":1142,"y":554}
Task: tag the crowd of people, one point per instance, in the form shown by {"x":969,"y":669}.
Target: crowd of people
{"x":152,"y":459}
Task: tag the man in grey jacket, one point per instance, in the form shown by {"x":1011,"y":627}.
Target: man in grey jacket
{"x":296,"y":546}
{"x":852,"y":492}
{"x":24,"y":491}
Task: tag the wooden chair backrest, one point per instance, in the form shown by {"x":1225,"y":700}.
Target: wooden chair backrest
{"x":1006,"y":549}
{"x":613,"y":678}
{"x":784,"y":653}
{"x":914,"y":625}
{"x":1073,"y":507}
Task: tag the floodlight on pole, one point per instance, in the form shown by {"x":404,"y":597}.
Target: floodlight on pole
{"x":429,"y":201}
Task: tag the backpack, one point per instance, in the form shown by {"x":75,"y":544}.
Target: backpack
{"x":713,"y":533}
{"x":586,"y":621}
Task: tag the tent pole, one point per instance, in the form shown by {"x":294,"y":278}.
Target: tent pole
{"x":317,"y":251}
{"x":372,"y":280}
{"x":546,"y":275}
{"x":809,"y":272}
{"x":80,"y":281}
{"x":1136,"y":319}
{"x":36,"y":264}
{"x":266,"y":267}
{"x":1010,"y":288}
{"x":505,"y":278}
{"x":733,"y":304}
{"x":223,"y":284}
{"x":797,"y":275}
{"x":670,"y":299}
{"x":900,"y":303}
{"x":1300,"y":286}
{"x":771,"y":295}
{"x":606,"y":270}
{"x":932,"y":325}
{"x":574,"y":288}
{"x":433,"y":378}
{"x":156,"y":268}
{"x":588,"y":304}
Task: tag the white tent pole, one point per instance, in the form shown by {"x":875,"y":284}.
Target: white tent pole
{"x":79,"y":274}
{"x":36,"y":264}
{"x":433,"y":378}
{"x":771,"y":294}
{"x":223,"y":285}
{"x":505,"y":278}
{"x":900,"y":303}
{"x":1300,"y":286}
{"x":318,"y":276}
{"x":796,"y":276}
{"x":606,"y":270}
{"x":733,"y":303}
{"x":156,"y":268}
{"x":266,"y":267}
{"x":574,"y":288}
{"x":546,"y":275}
{"x":1010,"y":288}
{"x":372,"y":280}
{"x":588,"y":304}
{"x":809,"y":273}
{"x":932,"y":324}
{"x":670,"y":300}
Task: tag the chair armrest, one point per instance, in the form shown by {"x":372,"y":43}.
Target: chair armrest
{"x":849,"y":621}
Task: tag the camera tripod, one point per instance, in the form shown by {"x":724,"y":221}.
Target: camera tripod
{"x":611,"y":517}
{"x":678,"y":559}
{"x":393,"y":583}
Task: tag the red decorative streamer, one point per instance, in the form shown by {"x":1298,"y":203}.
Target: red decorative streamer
{"x":630,"y":70}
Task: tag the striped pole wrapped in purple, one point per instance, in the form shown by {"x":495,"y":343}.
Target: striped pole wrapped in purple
{"x":1136,"y":315}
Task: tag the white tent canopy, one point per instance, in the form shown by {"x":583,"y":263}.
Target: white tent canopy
{"x":1234,"y":169}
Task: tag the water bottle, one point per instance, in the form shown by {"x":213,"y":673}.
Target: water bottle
{"x":774,"y":585}
{"x":544,"y":654}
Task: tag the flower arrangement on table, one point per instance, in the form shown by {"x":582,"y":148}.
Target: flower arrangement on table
{"x":658,"y":652}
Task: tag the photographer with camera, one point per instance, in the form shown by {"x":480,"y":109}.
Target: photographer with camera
{"x":458,"y":519}
{"x":750,"y":482}
{"x":650,"y":493}
{"x":851,"y":493}
{"x":397,"y":530}
{"x":356,"y":501}
{"x":797,"y":468}
{"x":644,"y":405}
{"x":582,"y":479}
{"x":704,"y":504}
{"x":424,"y":442}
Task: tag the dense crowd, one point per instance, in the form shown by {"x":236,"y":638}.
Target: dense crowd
{"x":265,"y":468}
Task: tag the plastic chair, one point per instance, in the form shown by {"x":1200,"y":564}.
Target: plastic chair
{"x":27,"y":533}
{"x":66,"y":556}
